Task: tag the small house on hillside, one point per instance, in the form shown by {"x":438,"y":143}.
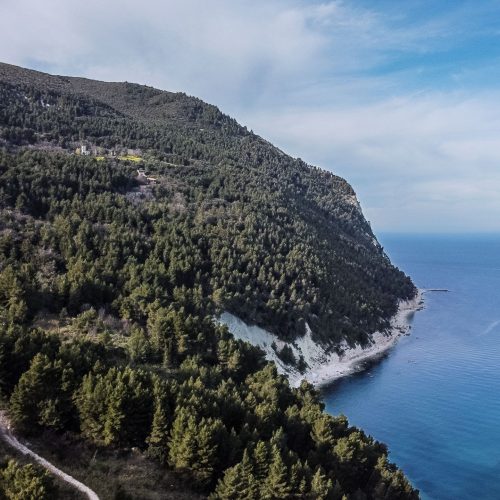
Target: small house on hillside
{"x":143,"y":177}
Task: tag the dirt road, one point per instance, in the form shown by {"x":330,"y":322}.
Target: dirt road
{"x":7,"y":436}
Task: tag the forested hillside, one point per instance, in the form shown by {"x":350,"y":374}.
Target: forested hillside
{"x":114,"y":265}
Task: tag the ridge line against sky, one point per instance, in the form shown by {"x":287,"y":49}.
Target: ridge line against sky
{"x":400,"y":98}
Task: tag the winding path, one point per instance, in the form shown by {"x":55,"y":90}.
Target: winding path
{"x":6,"y":435}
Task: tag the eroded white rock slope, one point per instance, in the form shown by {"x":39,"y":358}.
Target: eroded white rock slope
{"x":324,"y":368}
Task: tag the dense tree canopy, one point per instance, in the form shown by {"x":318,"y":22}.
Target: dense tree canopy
{"x":109,"y":285}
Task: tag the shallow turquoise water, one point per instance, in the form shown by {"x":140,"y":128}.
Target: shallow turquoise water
{"x":435,"y":398}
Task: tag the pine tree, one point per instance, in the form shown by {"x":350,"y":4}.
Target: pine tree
{"x":296,"y":476}
{"x":13,"y":296}
{"x":278,"y":439}
{"x":208,"y":437}
{"x":322,"y":432}
{"x":251,"y":489}
{"x":195,"y":446}
{"x":238,"y":482}
{"x":115,"y":414}
{"x":170,"y":353}
{"x":17,"y":308}
{"x":276,"y":485}
{"x":31,"y":390}
{"x":138,"y":346}
{"x":321,"y":487}
{"x":91,"y":401}
{"x":261,"y":460}
{"x":230,"y":486}
{"x":158,"y":437}
{"x":138,"y":407}
{"x":26,"y":483}
{"x":182,"y":444}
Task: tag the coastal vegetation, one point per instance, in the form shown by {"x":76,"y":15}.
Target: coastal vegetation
{"x":25,"y":481}
{"x":110,"y":287}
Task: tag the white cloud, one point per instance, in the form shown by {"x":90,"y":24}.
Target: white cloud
{"x":217,"y":49}
{"x":341,"y":85}
{"x":426,"y":161}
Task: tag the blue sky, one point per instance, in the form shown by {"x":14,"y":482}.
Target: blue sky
{"x":400,"y":98}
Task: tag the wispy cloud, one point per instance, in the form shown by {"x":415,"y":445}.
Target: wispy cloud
{"x":400,"y":98}
{"x":217,"y":49}
{"x":426,"y":162}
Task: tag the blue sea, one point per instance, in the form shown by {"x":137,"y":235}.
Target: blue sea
{"x":435,"y":397}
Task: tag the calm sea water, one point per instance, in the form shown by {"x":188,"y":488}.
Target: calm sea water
{"x":435,"y":398}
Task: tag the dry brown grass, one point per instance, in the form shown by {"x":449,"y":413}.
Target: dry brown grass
{"x":113,"y":474}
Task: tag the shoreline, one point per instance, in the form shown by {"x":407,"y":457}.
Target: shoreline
{"x":333,"y":366}
{"x":324,"y":369}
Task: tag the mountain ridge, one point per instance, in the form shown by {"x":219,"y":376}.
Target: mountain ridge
{"x":129,"y":220}
{"x":238,"y":149}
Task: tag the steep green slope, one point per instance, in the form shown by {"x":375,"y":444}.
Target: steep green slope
{"x":109,"y":283}
{"x":286,"y":243}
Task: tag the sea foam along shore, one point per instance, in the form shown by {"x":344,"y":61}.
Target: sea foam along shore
{"x":325,"y":368}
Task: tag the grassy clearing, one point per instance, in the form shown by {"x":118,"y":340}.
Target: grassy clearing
{"x":130,"y":158}
{"x":87,"y":325}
